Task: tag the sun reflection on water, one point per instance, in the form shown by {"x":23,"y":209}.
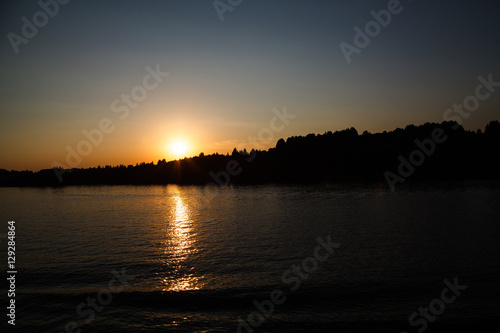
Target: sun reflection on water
{"x":180,"y":247}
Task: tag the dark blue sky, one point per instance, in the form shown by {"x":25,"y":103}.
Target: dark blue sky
{"x":226,"y":77}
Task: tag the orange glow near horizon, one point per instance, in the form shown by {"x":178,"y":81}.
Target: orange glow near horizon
{"x":178,"y":148}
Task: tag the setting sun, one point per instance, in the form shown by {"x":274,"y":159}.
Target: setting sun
{"x":178,"y":149}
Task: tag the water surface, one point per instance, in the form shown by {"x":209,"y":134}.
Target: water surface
{"x":199,"y":262}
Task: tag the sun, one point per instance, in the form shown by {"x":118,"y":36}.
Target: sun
{"x":178,"y":148}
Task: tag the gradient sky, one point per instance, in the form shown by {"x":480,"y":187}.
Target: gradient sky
{"x":227,"y":77}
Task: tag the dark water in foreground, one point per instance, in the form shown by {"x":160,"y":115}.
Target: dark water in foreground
{"x":199,"y":265}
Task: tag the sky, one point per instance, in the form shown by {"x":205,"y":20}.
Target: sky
{"x":242,"y":75}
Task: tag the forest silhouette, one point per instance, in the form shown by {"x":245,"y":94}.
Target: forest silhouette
{"x":332,"y":157}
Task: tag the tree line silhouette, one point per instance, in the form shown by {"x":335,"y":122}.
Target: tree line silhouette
{"x":341,"y":156}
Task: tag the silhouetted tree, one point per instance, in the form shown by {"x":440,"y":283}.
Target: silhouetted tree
{"x":332,"y":157}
